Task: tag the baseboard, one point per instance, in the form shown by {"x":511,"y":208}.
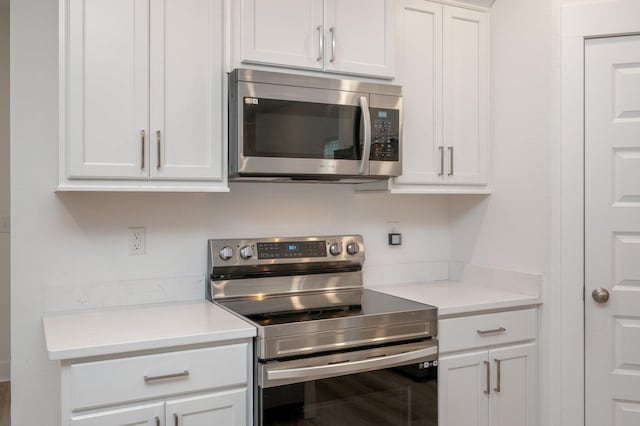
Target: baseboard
{"x":5,"y":371}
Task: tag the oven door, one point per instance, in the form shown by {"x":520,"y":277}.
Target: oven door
{"x":393,"y":385}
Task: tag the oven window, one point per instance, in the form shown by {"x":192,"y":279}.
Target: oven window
{"x":396,"y":396}
{"x":291,"y":129}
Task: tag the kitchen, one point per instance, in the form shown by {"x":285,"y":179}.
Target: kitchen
{"x":80,"y":239}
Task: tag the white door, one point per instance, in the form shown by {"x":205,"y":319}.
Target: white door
{"x":186,"y":89}
{"x":108,"y":89}
{"x":612,"y":231}
{"x":139,"y":415}
{"x":360,"y":36}
{"x":227,"y":408}
{"x":282,"y":32}
{"x":463,"y":389}
{"x":513,"y":393}
{"x":466,"y":95}
{"x":421,"y":79}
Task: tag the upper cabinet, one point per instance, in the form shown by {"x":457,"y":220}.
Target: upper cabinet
{"x":142,"y":95}
{"x":352,"y":37}
{"x":444,"y":73}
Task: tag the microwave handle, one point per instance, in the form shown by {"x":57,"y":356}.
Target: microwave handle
{"x":366,"y":116}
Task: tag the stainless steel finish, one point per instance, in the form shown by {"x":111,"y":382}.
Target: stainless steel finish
{"x":487,"y":366}
{"x":493,"y":331}
{"x":256,"y":84}
{"x":353,"y":248}
{"x":157,"y":421}
{"x":441,"y":148}
{"x":142,"y":134}
{"x":450,"y":160}
{"x":246,"y":252}
{"x":158,"y":139}
{"x":180,"y":375}
{"x":497,"y":388}
{"x":335,"y":249}
{"x":321,"y":44}
{"x":332,"y":30}
{"x":600,"y":295}
{"x":366,"y":151}
{"x":176,"y":419}
{"x":280,"y":373}
{"x":226,"y":253}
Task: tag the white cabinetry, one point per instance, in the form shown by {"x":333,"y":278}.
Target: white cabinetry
{"x":487,"y":370}
{"x":444,"y":73}
{"x":354,"y":37}
{"x":142,"y":95}
{"x":197,"y":387}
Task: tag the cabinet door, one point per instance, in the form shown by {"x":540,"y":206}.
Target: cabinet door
{"x":147,"y":415}
{"x":462,"y":385}
{"x":360,"y":37}
{"x":228,"y":408}
{"x":186,"y":89}
{"x":282,"y":32}
{"x":466,"y":95}
{"x":107,"y":75}
{"x":421,"y":79}
{"x":513,"y":398}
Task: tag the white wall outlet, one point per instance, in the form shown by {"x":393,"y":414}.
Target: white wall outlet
{"x":136,"y":241}
{"x":5,"y":224}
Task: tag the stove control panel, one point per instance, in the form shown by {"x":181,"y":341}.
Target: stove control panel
{"x":268,"y":251}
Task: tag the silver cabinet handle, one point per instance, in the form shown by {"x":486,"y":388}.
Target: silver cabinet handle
{"x":320,"y":43}
{"x":142,"y":144}
{"x":181,"y":375}
{"x":495,"y":330}
{"x":176,"y":419}
{"x":497,"y":388}
{"x":451,"y":160}
{"x":487,"y":366}
{"x":600,"y":295}
{"x":441,"y":148}
{"x":157,"y":421}
{"x":158,"y":139}
{"x":366,"y":151}
{"x":332,"y":30}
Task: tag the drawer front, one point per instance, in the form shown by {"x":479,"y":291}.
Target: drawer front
{"x":475,"y":331}
{"x":100,"y":383}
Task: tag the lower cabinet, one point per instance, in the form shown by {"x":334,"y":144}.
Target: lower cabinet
{"x":195,"y":387}
{"x":489,"y":386}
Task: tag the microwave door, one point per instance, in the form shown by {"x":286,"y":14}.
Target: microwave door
{"x":294,"y":131}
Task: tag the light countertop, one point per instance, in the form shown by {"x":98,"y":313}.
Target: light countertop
{"x":138,"y":328}
{"x":476,"y":290}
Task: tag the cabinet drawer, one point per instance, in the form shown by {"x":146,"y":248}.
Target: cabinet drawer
{"x":101,"y":383}
{"x":476,"y":331}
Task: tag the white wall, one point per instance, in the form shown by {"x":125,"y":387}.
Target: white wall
{"x":70,"y":250}
{"x":5,"y":354}
{"x":511,"y":228}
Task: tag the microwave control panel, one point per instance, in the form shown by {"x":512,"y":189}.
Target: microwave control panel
{"x":385,"y":135}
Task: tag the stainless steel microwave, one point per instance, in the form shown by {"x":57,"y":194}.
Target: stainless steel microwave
{"x":291,"y":127}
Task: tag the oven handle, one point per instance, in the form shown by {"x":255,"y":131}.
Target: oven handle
{"x":378,"y":363}
{"x":366,"y":117}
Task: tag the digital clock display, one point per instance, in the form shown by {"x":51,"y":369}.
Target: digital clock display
{"x":292,"y":249}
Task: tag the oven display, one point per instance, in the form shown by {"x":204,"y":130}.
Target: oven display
{"x":292,"y":249}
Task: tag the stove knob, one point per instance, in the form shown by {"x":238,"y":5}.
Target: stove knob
{"x":246,"y":252}
{"x":226,"y":253}
{"x":353,"y":248}
{"x":335,"y":249}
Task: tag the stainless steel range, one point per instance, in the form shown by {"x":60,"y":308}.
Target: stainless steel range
{"x":328,"y":351}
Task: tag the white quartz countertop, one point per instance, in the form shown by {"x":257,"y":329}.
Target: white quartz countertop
{"x":138,"y":328}
{"x":475,"y":290}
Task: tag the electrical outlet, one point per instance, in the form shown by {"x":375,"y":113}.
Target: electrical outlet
{"x":136,"y":241}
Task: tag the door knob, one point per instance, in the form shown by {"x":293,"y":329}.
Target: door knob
{"x":600,"y":295}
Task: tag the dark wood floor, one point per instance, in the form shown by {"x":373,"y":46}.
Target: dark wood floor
{"x":5,"y":404}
